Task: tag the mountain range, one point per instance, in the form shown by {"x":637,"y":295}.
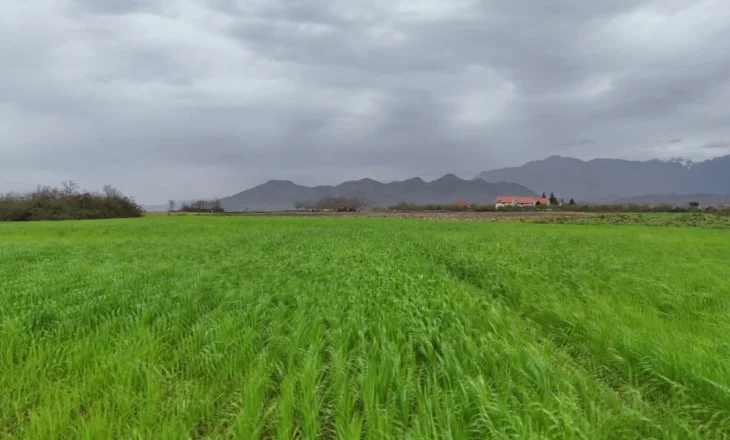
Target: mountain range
{"x":607,"y":180}
{"x":673,"y":181}
{"x":276,"y":195}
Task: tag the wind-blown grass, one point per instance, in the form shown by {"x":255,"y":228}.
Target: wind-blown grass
{"x":213,"y":327}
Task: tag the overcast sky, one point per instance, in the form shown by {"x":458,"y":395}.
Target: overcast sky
{"x":193,"y":98}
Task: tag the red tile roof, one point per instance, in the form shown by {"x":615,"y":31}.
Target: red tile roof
{"x":461,"y":203}
{"x":543,"y":200}
{"x":505,"y":199}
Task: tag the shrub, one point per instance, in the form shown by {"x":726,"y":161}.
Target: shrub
{"x":67,"y":203}
{"x":202,"y":206}
{"x":334,"y":203}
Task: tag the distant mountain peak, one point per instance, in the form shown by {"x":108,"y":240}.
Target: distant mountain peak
{"x":275,"y":182}
{"x":687,"y":163}
{"x":557,"y":157}
{"x":610,"y":179}
{"x":448,"y":178}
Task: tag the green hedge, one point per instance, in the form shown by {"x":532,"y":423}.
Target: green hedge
{"x":62,"y":204}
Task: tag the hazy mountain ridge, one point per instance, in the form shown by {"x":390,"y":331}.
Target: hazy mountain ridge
{"x":276,"y":195}
{"x":612,"y":179}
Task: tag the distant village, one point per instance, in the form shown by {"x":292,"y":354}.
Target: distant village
{"x":350,"y":204}
{"x":526,"y":202}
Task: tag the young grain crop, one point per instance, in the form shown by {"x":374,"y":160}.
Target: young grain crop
{"x":203,"y":327}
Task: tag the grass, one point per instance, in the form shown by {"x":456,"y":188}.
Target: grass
{"x":236,"y":327}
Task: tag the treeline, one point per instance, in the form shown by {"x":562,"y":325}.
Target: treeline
{"x":212,"y":205}
{"x":405,"y":206}
{"x":333,"y":203}
{"x":572,"y":206}
{"x":67,"y":203}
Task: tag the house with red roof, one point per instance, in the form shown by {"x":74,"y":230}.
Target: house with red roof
{"x":461,"y":204}
{"x":520,"y":202}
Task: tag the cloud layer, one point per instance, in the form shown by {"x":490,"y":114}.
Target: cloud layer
{"x":192,"y":98}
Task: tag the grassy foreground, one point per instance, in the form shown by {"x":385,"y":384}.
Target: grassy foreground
{"x":214,"y":327}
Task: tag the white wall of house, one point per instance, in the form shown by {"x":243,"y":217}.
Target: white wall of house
{"x":515,"y":204}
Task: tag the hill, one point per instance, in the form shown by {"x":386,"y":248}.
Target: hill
{"x":611,"y":179}
{"x":276,"y":195}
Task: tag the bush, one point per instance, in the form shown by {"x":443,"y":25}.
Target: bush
{"x":334,"y":203}
{"x":203,"y":206}
{"x":434,"y":207}
{"x":67,"y":203}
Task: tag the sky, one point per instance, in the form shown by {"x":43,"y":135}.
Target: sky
{"x":179,"y":99}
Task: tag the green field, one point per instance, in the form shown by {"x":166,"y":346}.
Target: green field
{"x":238,"y":327}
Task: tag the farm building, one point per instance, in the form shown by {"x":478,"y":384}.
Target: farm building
{"x":461,"y":204}
{"x":520,"y":202}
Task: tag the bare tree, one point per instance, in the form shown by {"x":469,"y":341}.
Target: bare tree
{"x":70,"y":188}
{"x":357,"y":203}
{"x":46,"y":192}
{"x":170,"y":206}
{"x":213,"y":205}
{"x":111,"y":192}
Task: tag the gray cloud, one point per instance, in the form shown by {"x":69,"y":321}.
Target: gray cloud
{"x":207,"y":97}
{"x":717,"y":145}
{"x":112,"y":7}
